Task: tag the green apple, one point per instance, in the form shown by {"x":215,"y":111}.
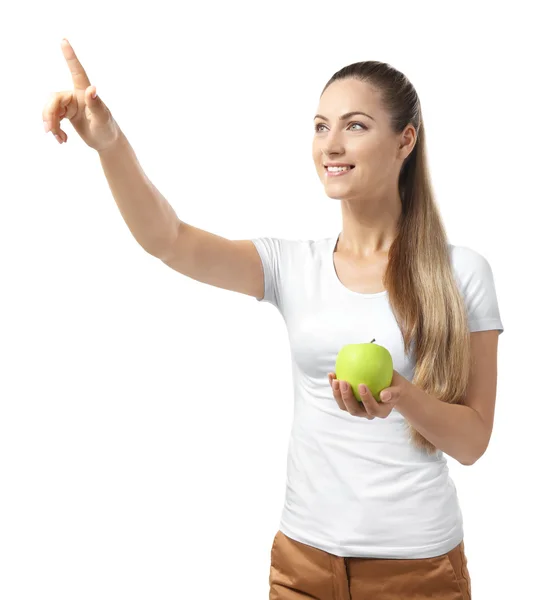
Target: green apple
{"x":370,"y":364}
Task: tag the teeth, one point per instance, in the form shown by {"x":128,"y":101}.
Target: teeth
{"x":339,"y":168}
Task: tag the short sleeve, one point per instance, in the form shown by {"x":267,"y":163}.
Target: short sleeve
{"x":478,"y":287}
{"x":269,"y":250}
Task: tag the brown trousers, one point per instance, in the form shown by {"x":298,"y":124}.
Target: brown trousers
{"x":299,"y":571}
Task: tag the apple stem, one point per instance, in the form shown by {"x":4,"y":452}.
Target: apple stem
{"x":372,"y":341}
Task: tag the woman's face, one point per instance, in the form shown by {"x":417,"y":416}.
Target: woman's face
{"x":366,"y":142}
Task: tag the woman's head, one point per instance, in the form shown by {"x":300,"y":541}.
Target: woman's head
{"x":391,"y":175}
{"x":377,"y":145}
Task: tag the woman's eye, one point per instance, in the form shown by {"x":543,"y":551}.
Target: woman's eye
{"x":355,"y":123}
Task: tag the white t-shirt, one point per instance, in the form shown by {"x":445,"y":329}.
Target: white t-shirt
{"x":357,"y":487}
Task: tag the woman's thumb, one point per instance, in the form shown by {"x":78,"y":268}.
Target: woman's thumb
{"x":92,"y":99}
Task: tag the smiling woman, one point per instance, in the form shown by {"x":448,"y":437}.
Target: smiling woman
{"x":370,"y":504}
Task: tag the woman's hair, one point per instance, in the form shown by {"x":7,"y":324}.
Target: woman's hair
{"x":419,"y":278}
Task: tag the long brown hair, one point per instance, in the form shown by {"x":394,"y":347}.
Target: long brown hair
{"x":422,"y":290}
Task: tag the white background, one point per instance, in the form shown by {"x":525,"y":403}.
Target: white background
{"x":144,"y":416}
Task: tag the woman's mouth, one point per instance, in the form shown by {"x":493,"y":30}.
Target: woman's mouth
{"x":337,"y":171}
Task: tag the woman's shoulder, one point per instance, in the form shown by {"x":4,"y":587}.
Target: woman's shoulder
{"x":465,"y":255}
{"x":469,"y":264}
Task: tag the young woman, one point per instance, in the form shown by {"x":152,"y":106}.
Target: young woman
{"x":370,"y":509}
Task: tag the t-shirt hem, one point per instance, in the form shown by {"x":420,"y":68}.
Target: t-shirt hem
{"x":485,"y":324}
{"x":367,"y":551}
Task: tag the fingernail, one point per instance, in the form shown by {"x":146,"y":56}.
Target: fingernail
{"x":363,"y":389}
{"x":46,"y":126}
{"x":385,"y":396}
{"x":345,"y":387}
{"x":335,"y":385}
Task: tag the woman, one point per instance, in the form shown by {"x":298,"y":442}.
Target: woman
{"x":370,"y":510}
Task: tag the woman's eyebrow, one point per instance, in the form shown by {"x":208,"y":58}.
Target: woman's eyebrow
{"x":346,"y":115}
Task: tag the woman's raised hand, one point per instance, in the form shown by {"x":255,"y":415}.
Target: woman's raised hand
{"x":89,"y":116}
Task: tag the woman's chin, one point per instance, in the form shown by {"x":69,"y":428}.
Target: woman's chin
{"x":334,"y":196}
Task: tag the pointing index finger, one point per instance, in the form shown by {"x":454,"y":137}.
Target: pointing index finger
{"x":80,"y":79}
